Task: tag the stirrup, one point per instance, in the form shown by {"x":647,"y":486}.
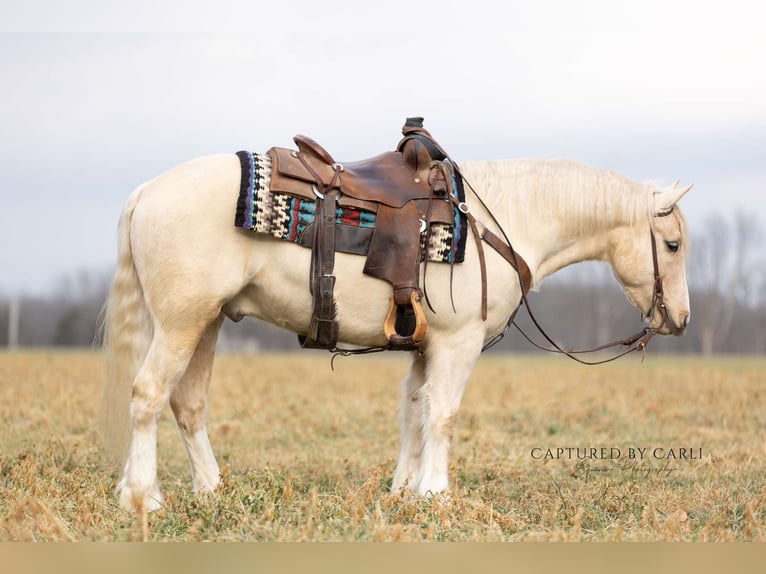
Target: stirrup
{"x":410,"y":340}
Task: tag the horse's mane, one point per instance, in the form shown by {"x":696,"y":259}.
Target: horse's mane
{"x":582,"y":198}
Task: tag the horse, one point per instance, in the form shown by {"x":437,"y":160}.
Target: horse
{"x":182,"y":268}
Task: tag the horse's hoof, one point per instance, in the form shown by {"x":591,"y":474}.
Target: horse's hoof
{"x":434,"y":489}
{"x":134,"y":501}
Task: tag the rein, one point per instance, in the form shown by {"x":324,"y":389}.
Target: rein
{"x":636,"y":342}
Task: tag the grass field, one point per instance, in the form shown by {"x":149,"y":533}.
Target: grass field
{"x":307,"y":453}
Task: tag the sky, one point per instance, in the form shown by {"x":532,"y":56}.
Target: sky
{"x":98,"y":97}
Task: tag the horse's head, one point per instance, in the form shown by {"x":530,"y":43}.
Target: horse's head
{"x":638,"y":261}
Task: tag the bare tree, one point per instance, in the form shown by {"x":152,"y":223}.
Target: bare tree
{"x":13,"y":322}
{"x":722,"y":273}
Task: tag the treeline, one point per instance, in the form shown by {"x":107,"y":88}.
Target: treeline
{"x":580,"y":307}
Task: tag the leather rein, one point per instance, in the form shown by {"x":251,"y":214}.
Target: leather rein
{"x":636,"y":342}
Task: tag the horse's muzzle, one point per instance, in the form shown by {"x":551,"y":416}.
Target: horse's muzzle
{"x":667,"y":326}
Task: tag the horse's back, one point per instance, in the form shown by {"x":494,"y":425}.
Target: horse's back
{"x":183,"y":187}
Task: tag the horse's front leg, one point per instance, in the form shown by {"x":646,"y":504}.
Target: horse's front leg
{"x":411,"y":419}
{"x":448,"y":368}
{"x":189,"y":404}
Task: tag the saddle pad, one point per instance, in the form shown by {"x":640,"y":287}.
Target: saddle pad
{"x":287,"y":217}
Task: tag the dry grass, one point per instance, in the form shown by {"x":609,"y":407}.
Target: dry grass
{"x":307,"y":454}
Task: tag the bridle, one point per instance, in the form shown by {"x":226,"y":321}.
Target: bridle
{"x":658,"y":298}
{"x":636,"y":342}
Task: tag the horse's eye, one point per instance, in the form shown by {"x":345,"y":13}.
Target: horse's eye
{"x":672,"y":246}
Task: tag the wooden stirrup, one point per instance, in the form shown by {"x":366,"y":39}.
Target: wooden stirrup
{"x":421,"y":325}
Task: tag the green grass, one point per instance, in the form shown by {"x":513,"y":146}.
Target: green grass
{"x":308,"y":454}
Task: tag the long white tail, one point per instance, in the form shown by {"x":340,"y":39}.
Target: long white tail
{"x":127,"y":333}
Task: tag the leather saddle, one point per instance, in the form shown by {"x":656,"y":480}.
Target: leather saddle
{"x":408,"y":190}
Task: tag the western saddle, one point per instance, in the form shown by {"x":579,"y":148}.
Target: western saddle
{"x":408,"y":190}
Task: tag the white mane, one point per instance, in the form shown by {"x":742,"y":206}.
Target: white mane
{"x":582,"y":198}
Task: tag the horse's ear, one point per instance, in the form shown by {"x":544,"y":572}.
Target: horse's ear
{"x":665,"y":199}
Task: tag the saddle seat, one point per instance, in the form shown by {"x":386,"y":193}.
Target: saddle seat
{"x":384,"y":178}
{"x":407,"y":189}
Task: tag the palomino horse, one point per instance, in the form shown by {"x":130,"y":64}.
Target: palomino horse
{"x":183,"y":267}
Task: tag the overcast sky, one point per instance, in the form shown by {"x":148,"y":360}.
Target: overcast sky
{"x":104,"y":96}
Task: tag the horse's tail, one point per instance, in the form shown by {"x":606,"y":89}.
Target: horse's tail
{"x":126,"y":335}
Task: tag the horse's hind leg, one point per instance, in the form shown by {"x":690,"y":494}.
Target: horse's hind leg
{"x":189,"y":404}
{"x":411,"y":417}
{"x":163,"y":367}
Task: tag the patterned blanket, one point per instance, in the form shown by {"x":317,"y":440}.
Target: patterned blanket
{"x":286,"y":217}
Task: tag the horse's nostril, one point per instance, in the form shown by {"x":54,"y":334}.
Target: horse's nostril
{"x":685,"y":320}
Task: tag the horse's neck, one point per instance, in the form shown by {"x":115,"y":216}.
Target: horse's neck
{"x":548,"y":246}
{"x":592,"y":248}
{"x":557,"y":213}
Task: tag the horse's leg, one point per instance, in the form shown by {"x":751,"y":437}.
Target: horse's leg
{"x":448,"y":368}
{"x":189,"y":404}
{"x":412,"y":426}
{"x":164,"y":365}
